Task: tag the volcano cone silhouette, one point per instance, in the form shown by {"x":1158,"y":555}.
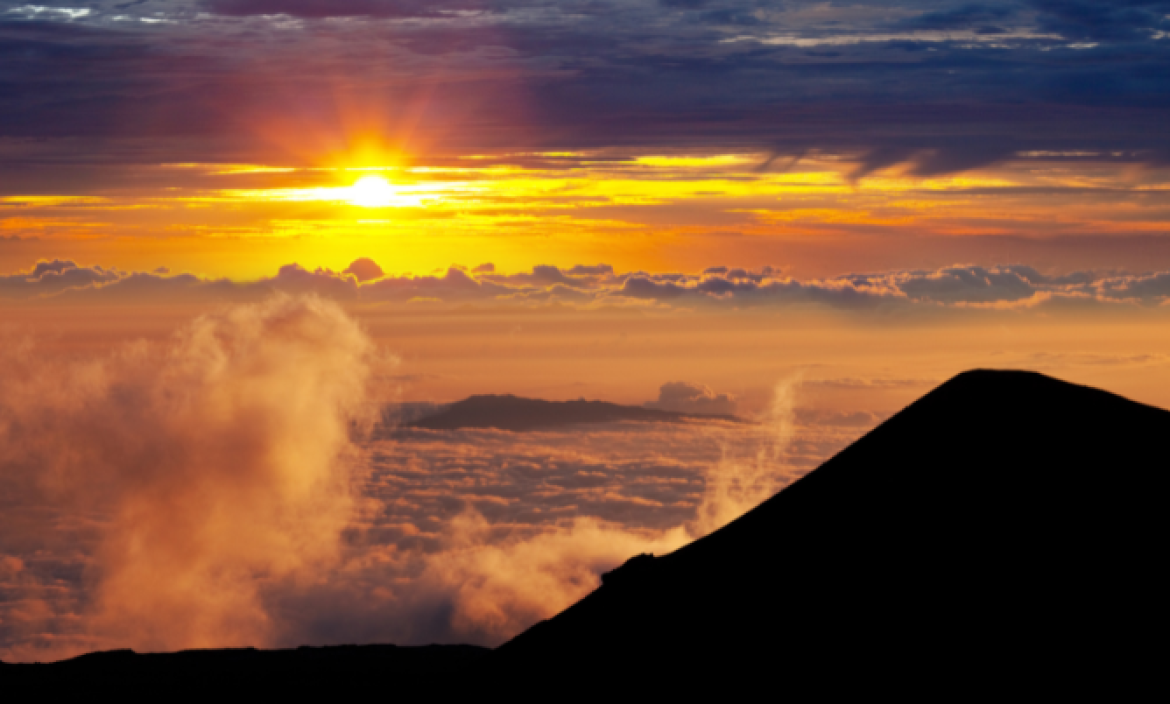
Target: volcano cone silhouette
{"x":1006,"y":523}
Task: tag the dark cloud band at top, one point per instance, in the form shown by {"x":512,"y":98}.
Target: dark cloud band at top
{"x":316,"y":9}
{"x":943,"y":87}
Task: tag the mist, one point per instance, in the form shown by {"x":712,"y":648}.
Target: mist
{"x":221,"y":488}
{"x":213,"y":465}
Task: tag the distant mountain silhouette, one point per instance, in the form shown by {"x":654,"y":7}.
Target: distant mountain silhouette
{"x":1004,"y":535}
{"x":514,"y":413}
{"x":1007,"y":525}
{"x":336,"y":670}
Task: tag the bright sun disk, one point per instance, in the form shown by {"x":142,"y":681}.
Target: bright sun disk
{"x":371,"y":192}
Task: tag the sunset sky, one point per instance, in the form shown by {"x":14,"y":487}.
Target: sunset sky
{"x":232,"y":229}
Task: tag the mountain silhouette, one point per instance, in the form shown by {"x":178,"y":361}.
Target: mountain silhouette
{"x":507,"y":412}
{"x":1003,"y":535}
{"x":1005,"y":525}
{"x":238,"y":674}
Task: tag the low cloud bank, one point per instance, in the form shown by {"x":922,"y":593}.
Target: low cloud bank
{"x":213,"y":466}
{"x":220,"y":489}
{"x":594,"y":286}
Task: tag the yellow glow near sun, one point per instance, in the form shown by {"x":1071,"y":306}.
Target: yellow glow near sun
{"x":372,"y":192}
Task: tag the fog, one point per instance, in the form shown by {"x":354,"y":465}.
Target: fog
{"x":223,"y":487}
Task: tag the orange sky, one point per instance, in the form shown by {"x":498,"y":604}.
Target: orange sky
{"x":636,"y":212}
{"x":930,"y":247}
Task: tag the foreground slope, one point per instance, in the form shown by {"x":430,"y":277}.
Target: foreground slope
{"x":345,"y":669}
{"x":1004,"y":523}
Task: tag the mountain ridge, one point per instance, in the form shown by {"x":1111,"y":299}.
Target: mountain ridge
{"x":898,"y":534}
{"x":519,"y":414}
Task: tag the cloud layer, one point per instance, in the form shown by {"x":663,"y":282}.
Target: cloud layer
{"x":1008,"y":287}
{"x":220,"y":490}
{"x":215,"y":465}
{"x":685,"y":397}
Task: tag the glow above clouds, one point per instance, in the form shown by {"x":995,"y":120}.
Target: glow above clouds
{"x":220,"y":468}
{"x":746,"y":206}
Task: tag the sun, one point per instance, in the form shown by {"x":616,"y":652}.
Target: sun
{"x":371,"y":192}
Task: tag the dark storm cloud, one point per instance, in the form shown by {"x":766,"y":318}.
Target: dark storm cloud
{"x":1099,"y":20}
{"x":61,"y":80}
{"x":949,"y":160}
{"x":878,"y":159}
{"x":934,"y":88}
{"x":968,"y":16}
{"x":316,"y":9}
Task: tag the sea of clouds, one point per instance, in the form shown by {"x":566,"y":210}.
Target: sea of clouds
{"x":236,"y":485}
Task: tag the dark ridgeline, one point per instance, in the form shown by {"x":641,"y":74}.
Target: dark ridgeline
{"x":1004,"y":533}
{"x":514,"y":413}
{"x":231,"y":673}
{"x":1006,"y":525}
